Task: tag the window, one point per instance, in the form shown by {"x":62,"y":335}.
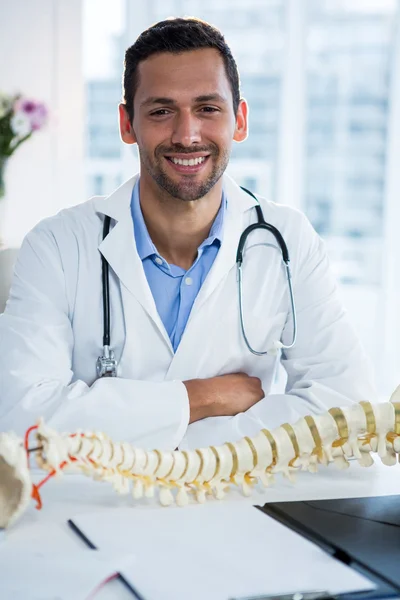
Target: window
{"x":103,"y":33}
{"x":98,"y":185}
{"x":349,"y":45}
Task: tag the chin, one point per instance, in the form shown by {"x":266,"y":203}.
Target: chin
{"x":190,"y":192}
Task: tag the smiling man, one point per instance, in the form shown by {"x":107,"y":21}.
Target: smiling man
{"x":125,"y":311}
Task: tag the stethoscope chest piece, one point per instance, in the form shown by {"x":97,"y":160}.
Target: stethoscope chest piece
{"x":106,"y":365}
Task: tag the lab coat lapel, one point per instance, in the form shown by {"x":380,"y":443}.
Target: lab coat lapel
{"x":239,"y":202}
{"x":237,"y":217}
{"x":119,"y":249}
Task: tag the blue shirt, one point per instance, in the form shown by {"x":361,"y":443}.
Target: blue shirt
{"x":174,"y":289}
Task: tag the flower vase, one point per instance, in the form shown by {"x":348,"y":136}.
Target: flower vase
{"x":3,"y":163}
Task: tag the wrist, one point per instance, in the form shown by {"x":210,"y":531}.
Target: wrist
{"x":199,"y":400}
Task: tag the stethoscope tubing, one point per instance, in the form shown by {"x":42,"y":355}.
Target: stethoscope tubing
{"x":293,"y":313}
{"x":261,"y":224}
{"x":106,"y":288}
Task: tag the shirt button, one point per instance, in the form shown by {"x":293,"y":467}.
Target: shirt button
{"x":188,"y":281}
{"x":159,"y":260}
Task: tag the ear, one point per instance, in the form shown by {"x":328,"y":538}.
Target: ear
{"x":125,"y":126}
{"x":241,"y":127}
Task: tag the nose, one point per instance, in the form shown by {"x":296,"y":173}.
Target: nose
{"x":186,"y":130}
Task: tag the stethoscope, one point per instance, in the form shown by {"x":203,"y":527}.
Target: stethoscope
{"x":106,"y":365}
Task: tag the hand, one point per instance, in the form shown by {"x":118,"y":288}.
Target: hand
{"x":226,"y":395}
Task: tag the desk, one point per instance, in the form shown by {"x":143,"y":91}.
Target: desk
{"x":70,"y":495}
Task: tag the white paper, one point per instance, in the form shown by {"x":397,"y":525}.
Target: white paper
{"x":215,"y":551}
{"x":55,"y":575}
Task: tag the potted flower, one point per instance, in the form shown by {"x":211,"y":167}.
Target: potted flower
{"x":19,"y":118}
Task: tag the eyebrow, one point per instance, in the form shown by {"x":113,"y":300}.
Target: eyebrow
{"x":170,"y":101}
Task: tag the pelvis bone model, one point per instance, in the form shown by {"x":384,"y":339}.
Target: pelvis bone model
{"x":335,"y":436}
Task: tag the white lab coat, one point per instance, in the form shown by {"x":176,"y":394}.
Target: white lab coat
{"x":52,"y":328}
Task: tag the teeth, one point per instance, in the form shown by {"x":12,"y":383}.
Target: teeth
{"x":188,"y":163}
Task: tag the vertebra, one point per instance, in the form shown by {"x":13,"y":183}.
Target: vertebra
{"x":335,"y":436}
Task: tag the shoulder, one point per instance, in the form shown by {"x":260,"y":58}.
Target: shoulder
{"x":299,"y":235}
{"x":67,"y":229}
{"x":293,"y":224}
{"x":68,"y":218}
{"x":305,"y":247}
{"x":280,"y":214}
{"x":61,"y":240}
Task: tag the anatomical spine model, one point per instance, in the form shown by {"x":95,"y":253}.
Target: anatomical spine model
{"x":355,"y":431}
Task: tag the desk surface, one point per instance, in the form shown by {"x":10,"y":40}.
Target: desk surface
{"x":70,"y":495}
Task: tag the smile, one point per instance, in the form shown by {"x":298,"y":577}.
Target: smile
{"x":186,"y":162}
{"x":187,"y":165}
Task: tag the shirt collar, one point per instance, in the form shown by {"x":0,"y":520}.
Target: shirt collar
{"x":144,"y":244}
{"x":217,"y":228}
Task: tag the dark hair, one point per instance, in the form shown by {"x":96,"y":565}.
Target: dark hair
{"x":176,"y":35}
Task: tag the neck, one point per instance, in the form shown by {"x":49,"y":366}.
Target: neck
{"x":177,"y":227}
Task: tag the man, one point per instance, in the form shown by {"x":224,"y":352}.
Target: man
{"x":186,"y":376}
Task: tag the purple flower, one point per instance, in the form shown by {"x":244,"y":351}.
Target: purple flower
{"x":35,"y":111}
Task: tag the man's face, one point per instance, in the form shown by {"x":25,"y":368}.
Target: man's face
{"x":183,"y":111}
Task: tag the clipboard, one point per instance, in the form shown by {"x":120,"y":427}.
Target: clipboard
{"x":363,"y":533}
{"x":238,"y":532}
{"x":90,"y":545}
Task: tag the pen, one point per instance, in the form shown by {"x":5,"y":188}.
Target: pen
{"x":318,"y":595}
{"x":309,"y":595}
{"x":88,"y":543}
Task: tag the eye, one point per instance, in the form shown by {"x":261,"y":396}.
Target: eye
{"x":210,"y":109}
{"x":160,"y":112}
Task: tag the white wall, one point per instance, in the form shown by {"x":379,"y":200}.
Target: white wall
{"x":41,"y":57}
